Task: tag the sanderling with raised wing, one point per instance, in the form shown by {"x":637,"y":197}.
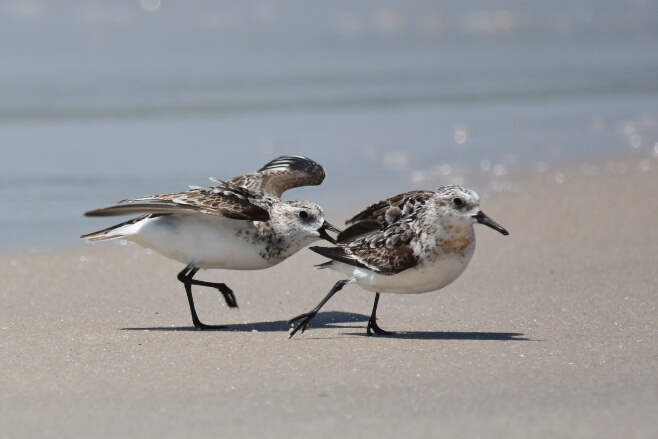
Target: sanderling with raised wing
{"x":239,"y":224}
{"x":412,"y":243}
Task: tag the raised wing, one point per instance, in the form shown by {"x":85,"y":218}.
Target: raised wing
{"x":224,"y":200}
{"x":382,"y":214}
{"x":281,"y":174}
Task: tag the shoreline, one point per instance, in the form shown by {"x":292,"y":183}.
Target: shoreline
{"x":486,"y":183}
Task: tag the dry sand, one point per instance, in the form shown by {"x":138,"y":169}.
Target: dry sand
{"x":551,"y":332}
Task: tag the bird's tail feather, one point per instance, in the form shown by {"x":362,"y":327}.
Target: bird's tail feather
{"x":106,"y":234}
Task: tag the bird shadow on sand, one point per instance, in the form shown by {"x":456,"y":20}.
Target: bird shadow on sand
{"x":346,"y":320}
{"x":331,"y":319}
{"x":441,"y":335}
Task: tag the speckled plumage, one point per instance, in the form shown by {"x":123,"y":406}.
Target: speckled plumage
{"x":227,"y":225}
{"x":415,"y":242}
{"x":225,"y":200}
{"x":383,"y":213}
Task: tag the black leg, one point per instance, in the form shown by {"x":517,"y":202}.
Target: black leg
{"x":187,"y":278}
{"x":372,"y":323}
{"x":223,"y":288}
{"x":307,"y":317}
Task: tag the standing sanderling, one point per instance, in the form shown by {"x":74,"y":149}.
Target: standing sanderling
{"x":415,"y":242}
{"x":240,"y":224}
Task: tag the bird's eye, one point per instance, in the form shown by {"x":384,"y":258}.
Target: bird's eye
{"x":458,"y":202}
{"x":303,"y":214}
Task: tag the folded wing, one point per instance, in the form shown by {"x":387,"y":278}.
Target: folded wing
{"x":380,"y":215}
{"x":388,"y":251}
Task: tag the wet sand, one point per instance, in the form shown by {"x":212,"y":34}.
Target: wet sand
{"x":551,"y":332}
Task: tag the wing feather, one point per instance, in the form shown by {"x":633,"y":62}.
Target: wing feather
{"x":380,"y":215}
{"x":224,"y":200}
{"x":389,"y":251}
{"x":281,"y":174}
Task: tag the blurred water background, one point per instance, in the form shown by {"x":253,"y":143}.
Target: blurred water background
{"x":103,"y":100}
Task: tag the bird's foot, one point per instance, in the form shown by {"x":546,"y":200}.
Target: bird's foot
{"x":374,"y":327}
{"x":203,"y":327}
{"x":229,"y":297}
{"x":305,"y":320}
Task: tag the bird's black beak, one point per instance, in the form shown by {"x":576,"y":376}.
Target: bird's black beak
{"x":484,"y":219}
{"x":323,"y":232}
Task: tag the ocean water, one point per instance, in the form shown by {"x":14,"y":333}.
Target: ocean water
{"x":101,"y":101}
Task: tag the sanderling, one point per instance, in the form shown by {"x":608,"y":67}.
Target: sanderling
{"x":412,"y":243}
{"x":240,"y":224}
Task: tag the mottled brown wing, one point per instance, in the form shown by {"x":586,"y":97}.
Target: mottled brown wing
{"x":382,"y":214}
{"x":281,"y":174}
{"x":225,"y":201}
{"x":387,"y":252}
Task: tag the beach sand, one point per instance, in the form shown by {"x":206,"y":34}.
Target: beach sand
{"x":551,"y":332}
